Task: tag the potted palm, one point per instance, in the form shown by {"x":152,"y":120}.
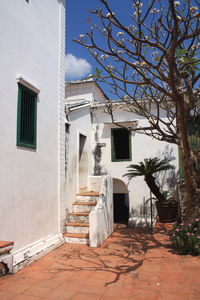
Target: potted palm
{"x":167,"y":208}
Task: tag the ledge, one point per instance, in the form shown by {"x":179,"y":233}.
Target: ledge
{"x":5,"y":247}
{"x":27,"y":84}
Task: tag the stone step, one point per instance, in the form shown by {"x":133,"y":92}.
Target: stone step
{"x":79,"y":217}
{"x":88,"y":193}
{"x":76,"y":238}
{"x":83,"y":189}
{"x":86,"y":198}
{"x":73,"y":227}
{"x":83,"y":206}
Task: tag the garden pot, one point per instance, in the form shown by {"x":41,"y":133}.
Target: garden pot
{"x":167,"y":211}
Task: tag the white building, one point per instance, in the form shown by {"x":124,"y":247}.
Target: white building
{"x":98,"y":148}
{"x":61,"y":160}
{"x":32,"y":208}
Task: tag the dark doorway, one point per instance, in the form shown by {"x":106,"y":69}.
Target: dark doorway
{"x":121,"y":208}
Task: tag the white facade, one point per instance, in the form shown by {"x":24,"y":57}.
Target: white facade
{"x":79,"y":163}
{"x":99,"y":149}
{"x":32,"y":35}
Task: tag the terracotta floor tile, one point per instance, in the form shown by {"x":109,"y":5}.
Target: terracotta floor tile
{"x":42,"y":275}
{"x":169,"y":296}
{"x":85,"y":296}
{"x":118,"y":292}
{"x":6,"y":296}
{"x":170,"y":287}
{"x":172,"y":276}
{"x":147,"y":285}
{"x":59,"y":294}
{"x":131,"y":264}
{"x":193,"y":297}
{"x":25,"y":297}
{"x":51,"y":283}
{"x":37,"y":291}
{"x":94,"y":290}
{"x":145,"y":275}
{"x":114,"y":298}
{"x":140,"y":294}
{"x":15,"y":288}
{"x":191,"y":288}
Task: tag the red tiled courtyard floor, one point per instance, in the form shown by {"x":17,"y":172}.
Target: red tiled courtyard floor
{"x":131,"y":264}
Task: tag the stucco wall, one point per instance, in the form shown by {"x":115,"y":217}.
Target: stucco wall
{"x":101,"y":217}
{"x":142,"y":147}
{"x":86,"y":90}
{"x":100,"y":149}
{"x":80,"y":123}
{"x":30,"y":47}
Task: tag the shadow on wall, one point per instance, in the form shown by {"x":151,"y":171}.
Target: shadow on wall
{"x":168,"y":180}
{"x":145,"y":214}
{"x":97,"y":153}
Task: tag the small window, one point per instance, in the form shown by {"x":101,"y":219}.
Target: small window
{"x":121,"y":144}
{"x":26,"y":117}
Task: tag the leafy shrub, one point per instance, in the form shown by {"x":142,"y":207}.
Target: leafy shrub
{"x":186,"y":238}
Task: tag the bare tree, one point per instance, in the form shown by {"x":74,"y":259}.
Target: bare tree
{"x":151,"y":64}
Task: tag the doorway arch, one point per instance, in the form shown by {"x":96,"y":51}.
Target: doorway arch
{"x":120,"y":201}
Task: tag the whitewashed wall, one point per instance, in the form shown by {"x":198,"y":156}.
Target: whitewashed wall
{"x":100,"y":162}
{"x":80,"y":123}
{"x":32,"y":46}
{"x":142,"y":147}
{"x":87,"y":90}
{"x":101,"y":217}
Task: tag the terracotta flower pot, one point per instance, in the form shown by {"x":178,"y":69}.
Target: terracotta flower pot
{"x":167,"y":211}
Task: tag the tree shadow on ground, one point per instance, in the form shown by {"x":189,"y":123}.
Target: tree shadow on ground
{"x":122,"y":254}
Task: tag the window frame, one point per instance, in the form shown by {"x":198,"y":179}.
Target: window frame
{"x":19,"y":142}
{"x":113,"y":155}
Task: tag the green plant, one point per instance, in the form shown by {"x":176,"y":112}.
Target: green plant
{"x":147,"y":168}
{"x":186,"y":238}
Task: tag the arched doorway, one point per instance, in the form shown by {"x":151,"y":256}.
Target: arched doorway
{"x":120,"y":201}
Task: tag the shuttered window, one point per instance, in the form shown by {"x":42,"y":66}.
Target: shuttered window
{"x":26,"y":117}
{"x":120,"y":144}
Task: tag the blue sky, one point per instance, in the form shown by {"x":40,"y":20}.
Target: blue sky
{"x":79,"y":62}
{"x":76,"y":23}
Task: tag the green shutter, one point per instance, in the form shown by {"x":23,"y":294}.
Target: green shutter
{"x":26,"y":117}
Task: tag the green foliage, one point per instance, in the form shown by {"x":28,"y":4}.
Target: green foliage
{"x":186,"y":238}
{"x":187,"y":60}
{"x":148,"y":167}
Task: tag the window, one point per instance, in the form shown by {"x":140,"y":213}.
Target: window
{"x":120,"y":144}
{"x":26,"y":117}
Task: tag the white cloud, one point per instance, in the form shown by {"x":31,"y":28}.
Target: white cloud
{"x":76,"y":68}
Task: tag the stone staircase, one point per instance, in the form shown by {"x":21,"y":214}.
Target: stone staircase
{"x":77,"y":227}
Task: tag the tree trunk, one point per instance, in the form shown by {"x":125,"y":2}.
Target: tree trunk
{"x":182,"y":120}
{"x":150,"y":180}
